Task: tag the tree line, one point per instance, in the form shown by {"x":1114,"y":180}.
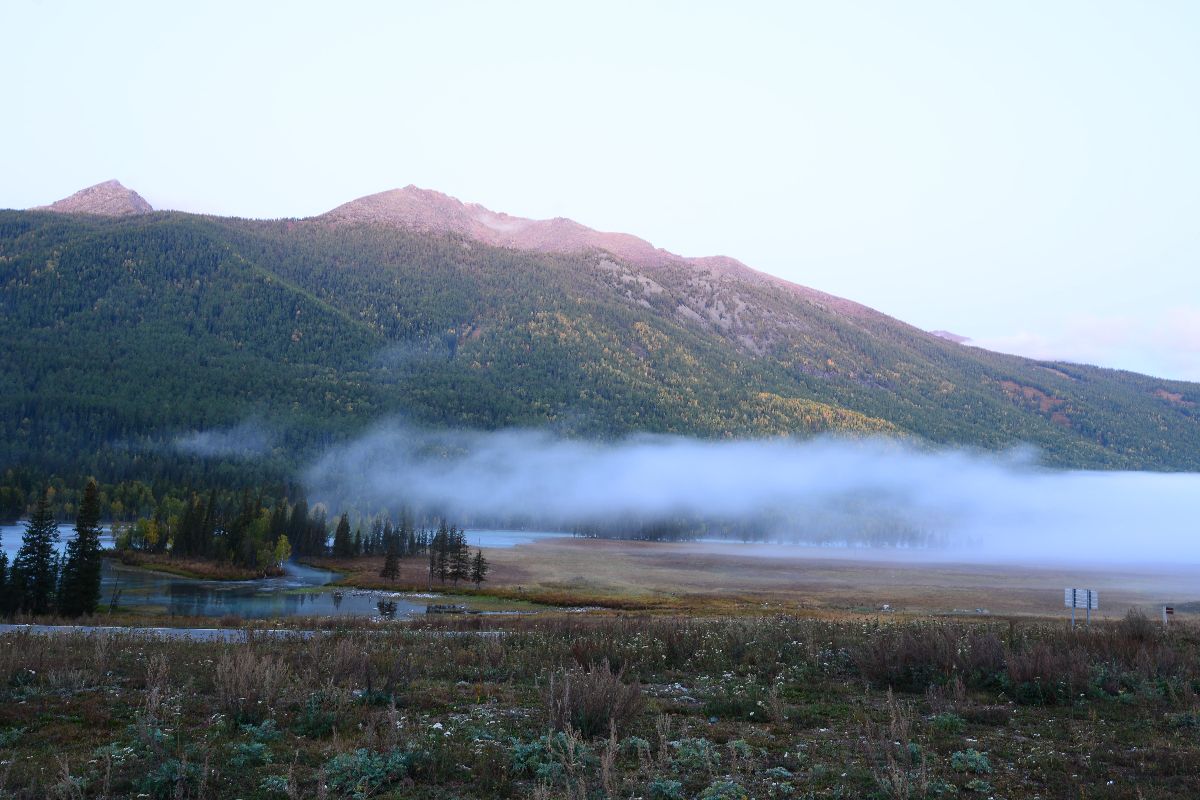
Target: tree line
{"x":40,"y":581}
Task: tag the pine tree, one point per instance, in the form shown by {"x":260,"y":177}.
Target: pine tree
{"x":479,"y":568}
{"x":318,"y":532}
{"x":343,"y":545}
{"x":460,"y":556}
{"x":35,"y":569}
{"x":298,"y":528}
{"x":444,"y":552}
{"x":5,"y":602}
{"x":79,"y":591}
{"x":279,"y":520}
{"x":391,"y":565}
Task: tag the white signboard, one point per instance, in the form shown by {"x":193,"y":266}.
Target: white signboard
{"x":1081,"y":598}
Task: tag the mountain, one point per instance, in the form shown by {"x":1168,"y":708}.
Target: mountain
{"x":427,"y":211}
{"x":137,"y":344}
{"x":108,"y":199}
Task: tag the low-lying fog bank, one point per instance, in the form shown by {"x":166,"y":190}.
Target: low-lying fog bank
{"x":849,"y":492}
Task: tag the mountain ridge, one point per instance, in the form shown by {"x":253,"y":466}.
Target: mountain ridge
{"x":430,"y":211}
{"x":427,"y":210}
{"x":182,"y":322}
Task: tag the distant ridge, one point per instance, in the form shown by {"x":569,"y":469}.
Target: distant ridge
{"x":428,"y":211}
{"x":108,"y":199}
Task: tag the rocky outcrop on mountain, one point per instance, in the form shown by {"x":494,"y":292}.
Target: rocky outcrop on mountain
{"x":109,"y":199}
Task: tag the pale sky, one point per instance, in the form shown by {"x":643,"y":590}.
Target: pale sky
{"x":1023,"y":173}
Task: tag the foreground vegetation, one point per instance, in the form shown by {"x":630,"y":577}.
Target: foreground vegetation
{"x":613,"y":706}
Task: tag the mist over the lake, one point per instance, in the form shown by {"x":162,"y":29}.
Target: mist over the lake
{"x":958,"y":503}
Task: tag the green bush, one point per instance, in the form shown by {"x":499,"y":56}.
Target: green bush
{"x":364,"y":772}
{"x":664,"y":789}
{"x":266,"y":732}
{"x":316,"y":721}
{"x":694,"y":755}
{"x":248,"y":754}
{"x":172,"y":778}
{"x":947,"y":723}
{"x":724,"y":790}
{"x":275,"y":784}
{"x":10,"y":736}
{"x":970,"y":761}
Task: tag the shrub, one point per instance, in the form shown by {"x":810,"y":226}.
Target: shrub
{"x":363,"y":772}
{"x":541,"y":758}
{"x":1136,"y":628}
{"x":632,"y":745}
{"x":316,"y":721}
{"x":10,"y":736}
{"x":694,"y":755}
{"x":724,"y":790}
{"x":248,"y":754}
{"x":970,"y":761}
{"x":266,"y":732}
{"x":592,"y":702}
{"x":247,"y":686}
{"x":664,"y":789}
{"x":275,"y":784}
{"x":735,"y":700}
{"x":947,"y":723}
{"x":172,"y":778}
{"x":916,"y":657}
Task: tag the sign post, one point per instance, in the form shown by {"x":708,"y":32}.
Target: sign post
{"x":1086,"y":599}
{"x":1168,"y":612}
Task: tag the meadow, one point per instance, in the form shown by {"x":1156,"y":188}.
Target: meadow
{"x":637,"y":670}
{"x":611,"y":705}
{"x":713,"y":578}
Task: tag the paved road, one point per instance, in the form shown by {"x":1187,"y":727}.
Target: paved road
{"x":193,"y":634}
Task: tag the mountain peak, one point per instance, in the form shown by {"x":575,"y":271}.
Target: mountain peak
{"x":109,"y":199}
{"x":431,"y":211}
{"x":426,"y":210}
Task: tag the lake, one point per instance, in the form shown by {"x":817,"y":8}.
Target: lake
{"x":297,"y":593}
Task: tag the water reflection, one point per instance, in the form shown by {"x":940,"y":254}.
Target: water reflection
{"x":297,"y":593}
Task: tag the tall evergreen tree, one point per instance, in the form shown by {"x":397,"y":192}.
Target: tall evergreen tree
{"x":440,"y":555}
{"x":298,"y":528}
{"x":479,"y":568}
{"x":460,"y":556}
{"x":391,"y":565}
{"x":35,"y":569}
{"x":318,"y":532}
{"x":343,"y":545}
{"x":79,"y":589}
{"x":5,"y":585}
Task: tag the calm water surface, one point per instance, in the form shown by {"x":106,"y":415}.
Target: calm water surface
{"x":298,"y":593}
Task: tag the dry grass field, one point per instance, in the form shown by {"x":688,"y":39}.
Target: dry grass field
{"x":735,"y":578}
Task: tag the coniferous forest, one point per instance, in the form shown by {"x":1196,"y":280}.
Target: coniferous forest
{"x":169,"y":354}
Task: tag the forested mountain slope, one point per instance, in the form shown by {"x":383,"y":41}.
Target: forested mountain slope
{"x":124,"y":334}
